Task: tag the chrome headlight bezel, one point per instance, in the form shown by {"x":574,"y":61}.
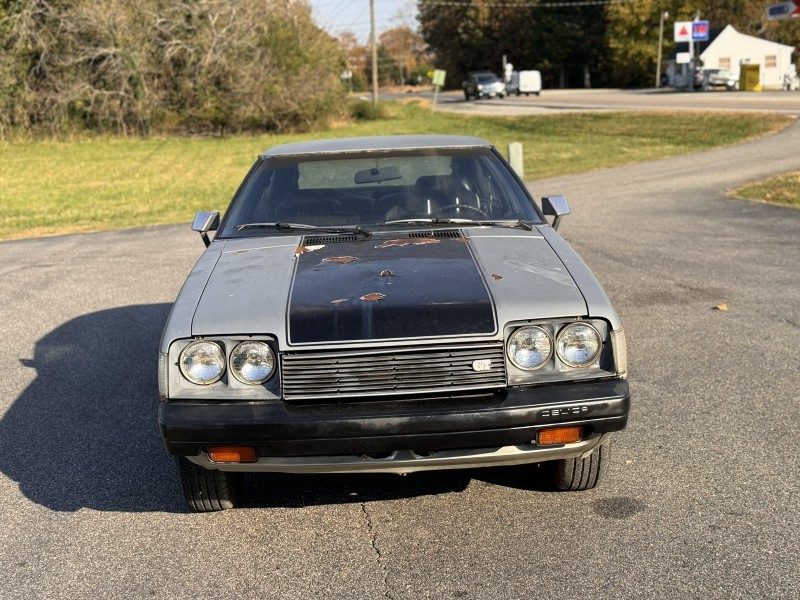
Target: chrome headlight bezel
{"x":228,"y":387}
{"x":555,"y":369}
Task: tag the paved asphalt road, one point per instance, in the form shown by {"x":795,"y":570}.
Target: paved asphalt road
{"x":560,"y":101}
{"x":701,"y":500}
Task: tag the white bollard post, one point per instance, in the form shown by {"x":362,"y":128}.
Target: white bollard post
{"x":515,"y":158}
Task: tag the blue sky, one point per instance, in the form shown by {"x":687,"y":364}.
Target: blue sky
{"x":336,"y":16}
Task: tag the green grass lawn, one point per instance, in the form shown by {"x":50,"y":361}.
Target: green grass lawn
{"x":56,"y":187}
{"x":783,"y":189}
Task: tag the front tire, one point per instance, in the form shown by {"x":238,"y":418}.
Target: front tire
{"x":577,"y":474}
{"x":207,"y":490}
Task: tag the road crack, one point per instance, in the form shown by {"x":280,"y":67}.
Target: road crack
{"x":379,"y":558}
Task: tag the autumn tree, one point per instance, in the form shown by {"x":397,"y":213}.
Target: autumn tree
{"x":406,"y":51}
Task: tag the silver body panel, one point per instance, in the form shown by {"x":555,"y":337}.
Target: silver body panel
{"x":242,"y":286}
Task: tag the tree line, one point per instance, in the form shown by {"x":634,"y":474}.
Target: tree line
{"x":578,"y":43}
{"x":161,"y":65}
{"x":224,"y":66}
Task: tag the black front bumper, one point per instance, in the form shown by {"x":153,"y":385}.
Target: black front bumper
{"x":278,"y":429}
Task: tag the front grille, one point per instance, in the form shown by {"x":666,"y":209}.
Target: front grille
{"x":402,"y":371}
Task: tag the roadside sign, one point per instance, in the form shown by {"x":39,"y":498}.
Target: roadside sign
{"x":784,"y":10}
{"x":683,"y":31}
{"x":683,"y":58}
{"x":700,"y":31}
{"x":437,"y":78}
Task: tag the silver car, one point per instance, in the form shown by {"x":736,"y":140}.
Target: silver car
{"x":483,"y":84}
{"x":388,"y":304}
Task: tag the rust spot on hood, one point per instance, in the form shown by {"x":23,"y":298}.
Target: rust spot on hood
{"x":496,"y":277}
{"x":339,"y":259}
{"x":339,"y":301}
{"x":372,"y":297}
{"x":306,"y":249}
{"x":387,"y":274}
{"x":408,"y":242}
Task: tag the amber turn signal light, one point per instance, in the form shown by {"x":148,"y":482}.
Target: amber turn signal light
{"x":559,"y":435}
{"x":233,"y":454}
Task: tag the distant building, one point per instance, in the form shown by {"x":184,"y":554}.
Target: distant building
{"x":728,"y":49}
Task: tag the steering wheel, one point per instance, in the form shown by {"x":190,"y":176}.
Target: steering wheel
{"x":460,"y":207}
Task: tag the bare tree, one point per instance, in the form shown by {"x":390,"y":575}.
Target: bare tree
{"x":210,"y":65}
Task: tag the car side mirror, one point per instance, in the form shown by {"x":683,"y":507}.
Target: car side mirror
{"x":204,"y":222}
{"x":555,"y":206}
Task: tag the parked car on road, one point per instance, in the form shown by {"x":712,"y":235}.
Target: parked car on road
{"x":483,"y":84}
{"x":723,"y":78}
{"x":711,"y":78}
{"x":388,"y":305}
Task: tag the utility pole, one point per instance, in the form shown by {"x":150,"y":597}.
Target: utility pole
{"x":374,"y":54}
{"x":664,"y":15}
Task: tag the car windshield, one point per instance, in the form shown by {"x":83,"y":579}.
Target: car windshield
{"x":403,"y":188}
{"x":486,"y":78}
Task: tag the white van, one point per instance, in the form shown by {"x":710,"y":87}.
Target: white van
{"x":525,"y":82}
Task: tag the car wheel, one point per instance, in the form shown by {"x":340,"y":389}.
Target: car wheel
{"x":575,"y":474}
{"x":466,"y":95}
{"x":207,"y":490}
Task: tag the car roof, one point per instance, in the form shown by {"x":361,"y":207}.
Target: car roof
{"x":375,"y":144}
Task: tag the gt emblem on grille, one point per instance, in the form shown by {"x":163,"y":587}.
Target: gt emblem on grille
{"x":484,"y":364}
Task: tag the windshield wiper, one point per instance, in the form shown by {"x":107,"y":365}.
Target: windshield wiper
{"x":305,"y":227}
{"x":457,"y":221}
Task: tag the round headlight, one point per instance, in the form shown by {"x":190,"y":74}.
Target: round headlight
{"x":578,"y":345}
{"x":530,"y":347}
{"x":202,"y":362}
{"x":252,"y":362}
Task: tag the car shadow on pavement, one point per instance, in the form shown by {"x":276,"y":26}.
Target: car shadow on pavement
{"x":84,"y":434}
{"x":278,"y":490}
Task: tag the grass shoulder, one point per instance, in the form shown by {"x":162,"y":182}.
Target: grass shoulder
{"x":781,"y":189}
{"x":51,"y":187}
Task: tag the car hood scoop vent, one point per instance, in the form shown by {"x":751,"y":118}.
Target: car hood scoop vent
{"x":328,"y":239}
{"x":447,"y":233}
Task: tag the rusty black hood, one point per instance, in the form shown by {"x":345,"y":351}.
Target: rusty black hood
{"x":319,"y":290}
{"x":371,"y":289}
